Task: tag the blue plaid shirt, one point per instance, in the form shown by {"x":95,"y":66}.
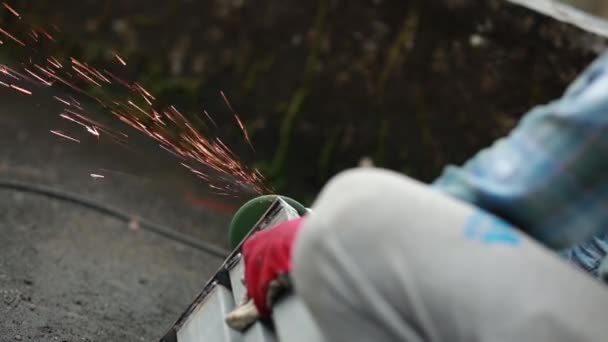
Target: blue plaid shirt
{"x":549,"y":176}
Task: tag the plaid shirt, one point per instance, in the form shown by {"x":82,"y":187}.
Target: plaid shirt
{"x":549,"y":176}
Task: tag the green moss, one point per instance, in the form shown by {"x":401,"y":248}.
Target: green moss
{"x":395,"y":54}
{"x":286,"y":129}
{"x":255,"y":70}
{"x":297,"y":99}
{"x":327,"y":153}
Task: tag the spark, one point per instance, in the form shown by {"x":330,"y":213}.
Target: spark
{"x":215,"y":187}
{"x":22,"y":90}
{"x":224,"y":145}
{"x":257,"y":172}
{"x":149,"y":104}
{"x":52,"y":75}
{"x":62,"y":100}
{"x":94,"y":175}
{"x":117,"y":79}
{"x":11,"y":37}
{"x":238,"y":120}
{"x":226,"y":100}
{"x":45,"y":82}
{"x":93,"y":131}
{"x":81,"y":73}
{"x":158,"y":118}
{"x":139,"y":108}
{"x":100,"y":76}
{"x":48,"y":35}
{"x":54,"y":62}
{"x":209,"y":117}
{"x":67,"y":117}
{"x":170,"y":151}
{"x":5,"y":70}
{"x":90,"y":70}
{"x":244,"y":130}
{"x":75,"y":102}
{"x":122,"y":61}
{"x":208,"y":158}
{"x":91,"y":122}
{"x":144,"y":91}
{"x":61,"y":134}
{"x":16,"y":73}
{"x":12,"y":10}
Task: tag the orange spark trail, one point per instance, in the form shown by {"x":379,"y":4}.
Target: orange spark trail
{"x":90,"y":70}
{"x":184,"y":137}
{"x":48,"y":35}
{"x":45,"y":82}
{"x":62,"y":100}
{"x":122,"y":61}
{"x":117,"y":79}
{"x":15,"y":13}
{"x":238,"y":120}
{"x":209,"y":117}
{"x":65,"y":136}
{"x":5,"y":70}
{"x":54,"y":62}
{"x":25,"y":91}
{"x":144,"y":91}
{"x":67,"y":117}
{"x":93,"y":131}
{"x":11,"y":37}
{"x":139,"y":108}
{"x":52,"y":75}
{"x":81,"y":73}
{"x":227,"y":102}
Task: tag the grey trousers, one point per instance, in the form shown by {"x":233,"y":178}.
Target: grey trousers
{"x":385,"y":258}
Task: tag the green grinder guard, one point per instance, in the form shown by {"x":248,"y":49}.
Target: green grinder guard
{"x":250,"y":213}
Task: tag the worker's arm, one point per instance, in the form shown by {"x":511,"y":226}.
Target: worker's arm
{"x":549,"y":176}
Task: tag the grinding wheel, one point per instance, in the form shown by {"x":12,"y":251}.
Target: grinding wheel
{"x":250,"y":213}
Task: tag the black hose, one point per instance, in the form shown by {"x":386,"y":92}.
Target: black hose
{"x":118,"y":214}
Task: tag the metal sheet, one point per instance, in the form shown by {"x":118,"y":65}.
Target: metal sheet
{"x":257,"y":332}
{"x":206,"y":323}
{"x":294,"y":323}
{"x":204,"y":318}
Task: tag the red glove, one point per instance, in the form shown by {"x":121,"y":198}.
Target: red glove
{"x":267,"y":255}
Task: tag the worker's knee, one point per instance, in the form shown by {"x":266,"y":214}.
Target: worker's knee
{"x":369,"y":216}
{"x":363,"y":203}
{"x":355,"y":212}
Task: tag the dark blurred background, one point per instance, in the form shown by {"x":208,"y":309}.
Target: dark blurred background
{"x":323,"y":84}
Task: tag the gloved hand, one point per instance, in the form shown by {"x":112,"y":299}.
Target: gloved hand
{"x":267,"y":257}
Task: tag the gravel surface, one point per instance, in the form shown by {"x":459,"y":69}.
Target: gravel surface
{"x":72,"y":274}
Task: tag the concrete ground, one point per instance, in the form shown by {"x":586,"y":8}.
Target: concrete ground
{"x":69,"y":273}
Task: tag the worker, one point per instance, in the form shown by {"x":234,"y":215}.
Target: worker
{"x":489,"y":252}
